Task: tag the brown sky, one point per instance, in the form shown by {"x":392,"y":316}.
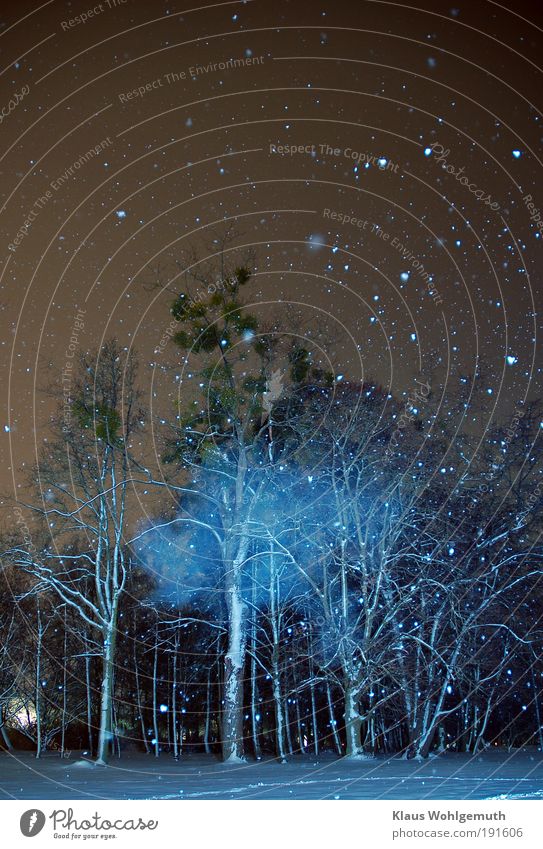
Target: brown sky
{"x":373,"y":80}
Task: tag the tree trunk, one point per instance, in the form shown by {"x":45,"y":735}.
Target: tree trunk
{"x":89,"y":693}
{"x":155,"y":718}
{"x":254,"y":689}
{"x":537,"y":712}
{"x":288,"y":727}
{"x":5,"y":735}
{"x":278,"y":706}
{"x":208,"y":714}
{"x":314,"y":722}
{"x":174,"y":701}
{"x":353,"y":724}
{"x":138,"y":698}
{"x":104,"y":734}
{"x":39,"y":633}
{"x":333,"y":725}
{"x":301,"y":743}
{"x":64,"y":694}
{"x":232,"y":718}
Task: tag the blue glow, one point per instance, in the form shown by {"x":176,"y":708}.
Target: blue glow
{"x":517,"y":154}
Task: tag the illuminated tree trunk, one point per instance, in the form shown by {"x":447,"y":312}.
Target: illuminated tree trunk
{"x":175,"y":735}
{"x":254,"y":688}
{"x":64,"y":686}
{"x":314,"y":722}
{"x":104,"y":735}
{"x":335,"y":735}
{"x":3,"y":730}
{"x":232,"y":720}
{"x":208,"y":714}
{"x":275,"y":668}
{"x":38,"y":700}
{"x":155,"y":708}
{"x":301,"y":743}
{"x":353,"y":723}
{"x":89,"y":692}
{"x":138,"y":695}
{"x":288,"y":727}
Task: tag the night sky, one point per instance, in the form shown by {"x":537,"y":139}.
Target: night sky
{"x":133,"y":131}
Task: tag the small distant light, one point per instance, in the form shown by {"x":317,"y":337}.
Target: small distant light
{"x":511,"y":360}
{"x":382,"y":162}
{"x":339,"y":378}
{"x":404,"y":276}
{"x":120,"y":213}
{"x":413,"y":337}
{"x":163,"y":708}
{"x":427,"y":151}
{"x":517,"y":154}
{"x":7,"y":428}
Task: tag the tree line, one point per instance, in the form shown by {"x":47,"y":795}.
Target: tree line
{"x":330,"y":569}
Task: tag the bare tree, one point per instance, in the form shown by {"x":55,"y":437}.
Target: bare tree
{"x":86,"y":480}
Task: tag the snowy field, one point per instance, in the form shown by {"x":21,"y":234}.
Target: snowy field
{"x":495,"y":774}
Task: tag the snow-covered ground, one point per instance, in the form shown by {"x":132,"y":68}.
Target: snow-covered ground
{"x":494,"y":774}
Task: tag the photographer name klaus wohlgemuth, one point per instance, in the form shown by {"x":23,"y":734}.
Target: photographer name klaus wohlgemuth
{"x":457,"y":816}
{"x":64,"y":819}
